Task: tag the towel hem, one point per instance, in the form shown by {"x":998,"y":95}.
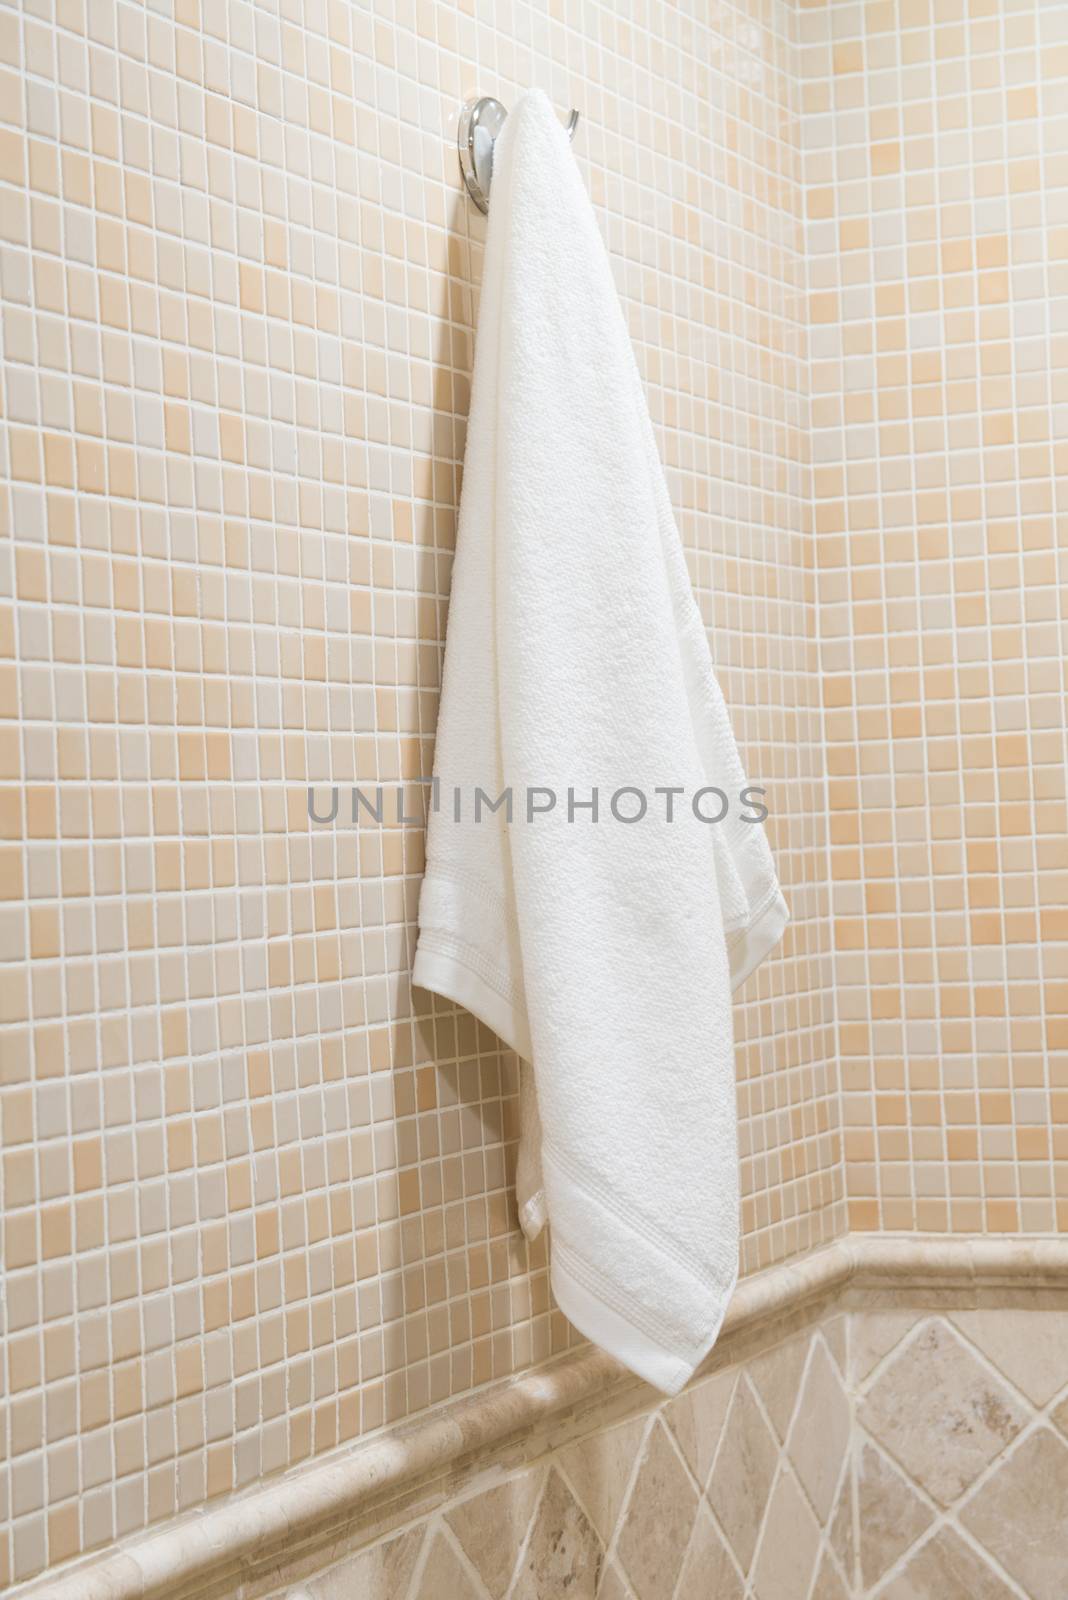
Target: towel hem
{"x":533,"y":1215}
{"x":605,"y":1326}
{"x":750,"y":945}
{"x":448,"y":974}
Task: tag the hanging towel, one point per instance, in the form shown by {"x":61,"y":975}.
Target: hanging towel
{"x":602,"y":950}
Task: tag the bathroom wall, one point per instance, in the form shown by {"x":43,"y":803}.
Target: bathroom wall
{"x":936,"y":166}
{"x":257,"y":1192}
{"x":883,"y":1454}
{"x":742,"y":1485}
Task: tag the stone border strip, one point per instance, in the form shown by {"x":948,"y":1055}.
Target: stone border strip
{"x":285,"y":1522}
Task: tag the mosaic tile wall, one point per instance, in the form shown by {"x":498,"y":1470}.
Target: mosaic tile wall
{"x":887,"y":1455}
{"x":936,"y":165}
{"x":257,"y":1193}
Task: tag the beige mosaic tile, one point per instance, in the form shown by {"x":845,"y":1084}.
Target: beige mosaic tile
{"x":933,"y":160}
{"x":257,"y":1191}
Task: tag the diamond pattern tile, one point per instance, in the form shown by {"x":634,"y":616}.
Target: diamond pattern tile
{"x":835,"y":1332}
{"x":945,"y":1568}
{"x":789,"y":1545}
{"x":612,"y":1586}
{"x":776,"y":1376}
{"x":741,"y":1479}
{"x":658,"y":1519}
{"x":444,"y":1574}
{"x":840,"y":1528}
{"x":708,"y":1569}
{"x":563,"y":1554}
{"x":819,"y":1436}
{"x":1037,"y":1365}
{"x":490,"y":1528}
{"x":940,"y":1413}
{"x":829,"y":1584}
{"x":1020,"y":1515}
{"x":1060,"y":1416}
{"x":696,"y":1418}
{"x":872,"y":1335}
{"x":599,"y":1470}
{"x":890,"y":1514}
{"x":382,"y":1573}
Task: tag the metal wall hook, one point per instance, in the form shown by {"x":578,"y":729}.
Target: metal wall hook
{"x":481,"y":120}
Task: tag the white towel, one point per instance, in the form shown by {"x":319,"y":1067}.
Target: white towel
{"x":603,"y":952}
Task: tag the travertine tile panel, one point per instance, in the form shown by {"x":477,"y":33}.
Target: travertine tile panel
{"x":940,"y":1412}
{"x":491,"y":1527}
{"x":382,"y":1573}
{"x":658,"y":1519}
{"x":1037,"y":1365}
{"x":945,"y":1568}
{"x":789,"y":1544}
{"x":612,"y":1586}
{"x":600,"y":1470}
{"x":696,"y":1418}
{"x":872,"y":1335}
{"x":820,"y":1433}
{"x":563,"y":1554}
{"x":741,"y":1479}
{"x":443,"y":1574}
{"x":776,"y":1376}
{"x":840,"y":1532}
{"x":708,"y":1568}
{"x":1020,"y":1514}
{"x":1059,"y":1415}
{"x":829,"y":1584}
{"x":890,"y":1514}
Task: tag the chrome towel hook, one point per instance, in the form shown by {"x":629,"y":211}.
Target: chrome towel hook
{"x":481,"y":120}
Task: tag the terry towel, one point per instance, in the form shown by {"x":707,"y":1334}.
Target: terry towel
{"x":602,"y":950}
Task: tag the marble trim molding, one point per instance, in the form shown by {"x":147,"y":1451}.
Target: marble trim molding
{"x":287,"y":1526}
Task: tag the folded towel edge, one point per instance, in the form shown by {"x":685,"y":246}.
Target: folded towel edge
{"x":636,"y":1348}
{"x":747,"y":947}
{"x":460,"y":974}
